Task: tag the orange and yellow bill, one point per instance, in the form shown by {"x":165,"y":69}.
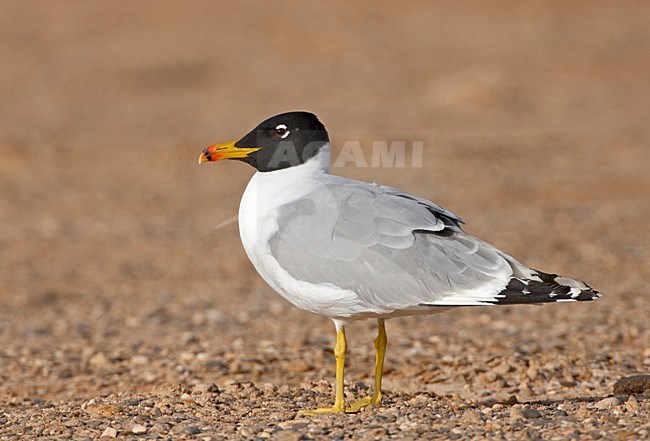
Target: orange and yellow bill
{"x":226,"y":150}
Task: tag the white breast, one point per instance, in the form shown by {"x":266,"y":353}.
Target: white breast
{"x":258,"y":214}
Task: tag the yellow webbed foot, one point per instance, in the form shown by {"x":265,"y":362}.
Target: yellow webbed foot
{"x":368,"y":401}
{"x":322,"y":410}
{"x":352,"y":408}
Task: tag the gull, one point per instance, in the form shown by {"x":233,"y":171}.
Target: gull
{"x":350,"y":250}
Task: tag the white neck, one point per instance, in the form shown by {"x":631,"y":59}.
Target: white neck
{"x":269,"y":190}
{"x":322,"y":159}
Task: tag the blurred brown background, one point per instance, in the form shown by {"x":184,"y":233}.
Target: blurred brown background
{"x":113,"y":277}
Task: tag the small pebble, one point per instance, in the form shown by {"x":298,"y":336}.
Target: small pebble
{"x":288,"y":435}
{"x":292,"y":424}
{"x":204,"y":388}
{"x":472,"y":415}
{"x":109,"y":432}
{"x":531,"y":413}
{"x":516,"y":413}
{"x":607,"y":403}
{"x":138,"y":429}
{"x":632,"y":404}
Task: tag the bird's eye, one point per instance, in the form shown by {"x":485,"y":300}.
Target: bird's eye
{"x":281,"y":131}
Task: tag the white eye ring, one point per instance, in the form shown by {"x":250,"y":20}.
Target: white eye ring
{"x":281,"y":131}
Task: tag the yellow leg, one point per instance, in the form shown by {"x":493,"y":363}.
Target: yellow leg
{"x":380,"y":350}
{"x":339,"y":400}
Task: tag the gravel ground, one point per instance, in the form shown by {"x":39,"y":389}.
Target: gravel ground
{"x":125,"y":314}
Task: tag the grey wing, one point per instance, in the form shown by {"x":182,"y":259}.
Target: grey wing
{"x":435,"y":209}
{"x":394,"y":251}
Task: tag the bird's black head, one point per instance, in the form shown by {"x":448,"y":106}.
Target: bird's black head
{"x":280,"y":142}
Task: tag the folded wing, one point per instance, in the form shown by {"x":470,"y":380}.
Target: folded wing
{"x":393,"y":250}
